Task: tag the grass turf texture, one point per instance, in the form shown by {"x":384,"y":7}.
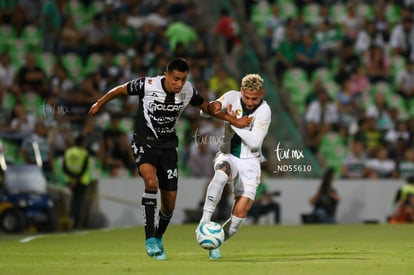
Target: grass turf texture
{"x":313,"y":249}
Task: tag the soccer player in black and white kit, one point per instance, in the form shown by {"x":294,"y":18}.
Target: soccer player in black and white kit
{"x":162,"y":99}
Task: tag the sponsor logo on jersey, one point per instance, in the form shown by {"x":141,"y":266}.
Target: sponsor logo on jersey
{"x":156,"y":106}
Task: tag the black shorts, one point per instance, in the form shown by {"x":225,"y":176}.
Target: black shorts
{"x":165,"y":160}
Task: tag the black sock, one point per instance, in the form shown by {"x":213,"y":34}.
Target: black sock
{"x":149,"y":203}
{"x":163,"y":222}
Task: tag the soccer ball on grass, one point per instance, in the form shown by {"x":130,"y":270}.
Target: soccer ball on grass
{"x":210,"y":235}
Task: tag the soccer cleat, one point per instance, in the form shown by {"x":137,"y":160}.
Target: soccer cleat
{"x":161,"y":256}
{"x":214,"y":254}
{"x":152,"y":248}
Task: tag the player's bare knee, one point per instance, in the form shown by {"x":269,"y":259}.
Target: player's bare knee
{"x":225,"y":167}
{"x":151,"y":184}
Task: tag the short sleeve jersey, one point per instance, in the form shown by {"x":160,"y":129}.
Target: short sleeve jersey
{"x":159,"y":110}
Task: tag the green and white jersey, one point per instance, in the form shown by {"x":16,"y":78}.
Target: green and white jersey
{"x":246,"y":142}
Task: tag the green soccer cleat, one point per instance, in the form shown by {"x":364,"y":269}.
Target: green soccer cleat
{"x":214,"y":254}
{"x":152,"y":248}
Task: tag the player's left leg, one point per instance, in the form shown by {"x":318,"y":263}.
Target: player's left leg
{"x":168,"y":177}
{"x":164,"y":217}
{"x":241,"y":207}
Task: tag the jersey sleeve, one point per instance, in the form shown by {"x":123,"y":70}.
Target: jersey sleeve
{"x":196,"y":99}
{"x":228,"y":98}
{"x":254,"y":135}
{"x":136,"y":87}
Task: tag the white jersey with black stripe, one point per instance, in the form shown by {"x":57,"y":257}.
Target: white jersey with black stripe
{"x":159,"y":110}
{"x":246,"y":142}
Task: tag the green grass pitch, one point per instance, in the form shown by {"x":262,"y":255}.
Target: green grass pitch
{"x":312,"y":249}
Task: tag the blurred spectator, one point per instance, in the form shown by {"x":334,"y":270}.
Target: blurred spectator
{"x":321,"y":115}
{"x":22,"y":123}
{"x":200,"y":154}
{"x":382,"y":26}
{"x":381,"y":166}
{"x":123,"y":36}
{"x":37,"y":150}
{"x":60,"y":134}
{"x":399,"y":132}
{"x":308,"y":54}
{"x":51,"y":19}
{"x":135,"y":17}
{"x":201,"y":57}
{"x":324,"y":16}
{"x":378,"y":65}
{"x":92,"y":134}
{"x":31,"y":78}
{"x":347,"y":105}
{"x":404,"y":211}
{"x":60,"y":83}
{"x":193,"y":17}
{"x":264,"y":203}
{"x":97,"y":35}
{"x":381,"y":108}
{"x":76,"y":166}
{"x":328,"y":38}
{"x":7,"y":72}
{"x":402,"y":39}
{"x":114,"y":150}
{"x":90,"y":88}
{"x":274,"y":29}
{"x":353,"y":166}
{"x":397,"y":151}
{"x":359,"y":84}
{"x":228,"y":28}
{"x":32,"y":10}
{"x":369,"y":134}
{"x":348,"y":61}
{"x":221,"y":82}
{"x":405,"y":81}
{"x":159,"y":18}
{"x":351,"y":22}
{"x":404,"y":203}
{"x":368,"y":36}
{"x":72,"y":39}
{"x":406,"y":166}
{"x":286,"y":52}
{"x":326,"y":200}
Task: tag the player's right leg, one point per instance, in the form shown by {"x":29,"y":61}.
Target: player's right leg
{"x":149,"y":205}
{"x":215,"y":189}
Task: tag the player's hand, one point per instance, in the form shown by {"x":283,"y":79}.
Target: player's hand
{"x":214,"y":107}
{"x":242,"y":122}
{"x":94,"y":109}
{"x":230,"y":112}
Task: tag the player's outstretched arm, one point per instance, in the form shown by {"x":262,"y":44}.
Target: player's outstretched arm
{"x":214,"y":109}
{"x":111,"y":94}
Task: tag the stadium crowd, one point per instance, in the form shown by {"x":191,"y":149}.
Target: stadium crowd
{"x":57,"y":57}
{"x":347,"y":67}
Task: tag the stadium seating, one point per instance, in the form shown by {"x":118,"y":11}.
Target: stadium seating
{"x":74,"y":65}
{"x":46,"y":61}
{"x":92,"y":62}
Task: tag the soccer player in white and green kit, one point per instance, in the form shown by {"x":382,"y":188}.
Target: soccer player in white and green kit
{"x":238,"y":161}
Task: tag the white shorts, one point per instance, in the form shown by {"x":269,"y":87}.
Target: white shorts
{"x":245,"y":174}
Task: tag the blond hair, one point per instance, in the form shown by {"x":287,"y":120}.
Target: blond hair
{"x":252,"y":82}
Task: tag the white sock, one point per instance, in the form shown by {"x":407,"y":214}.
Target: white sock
{"x":231,"y":226}
{"x":213,"y":195}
